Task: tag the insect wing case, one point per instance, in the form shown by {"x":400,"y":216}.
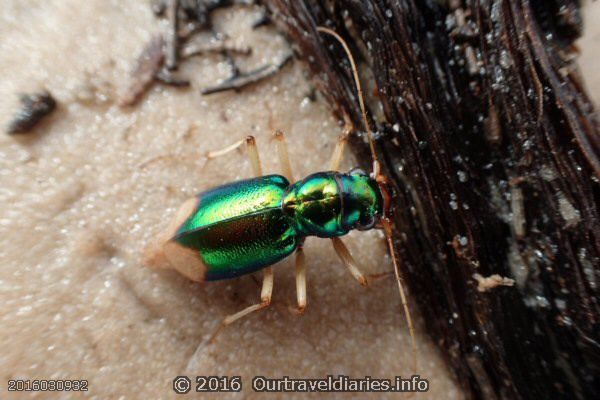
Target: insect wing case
{"x":237,"y":228}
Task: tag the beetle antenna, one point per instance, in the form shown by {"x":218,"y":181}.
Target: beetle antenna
{"x":361,"y":100}
{"x":387,"y":227}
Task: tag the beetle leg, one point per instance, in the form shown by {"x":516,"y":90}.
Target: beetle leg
{"x":253,"y":154}
{"x":344,"y":254}
{"x":265,"y":300}
{"x":266,"y":291}
{"x":300,"y":280}
{"x":226,"y":150}
{"x":381,"y":275}
{"x":338,"y":151}
{"x":284,"y":159}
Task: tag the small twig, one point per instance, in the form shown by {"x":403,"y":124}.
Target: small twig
{"x":172,"y":36}
{"x":244,"y":79}
{"x":165,"y":76}
{"x":219,"y":46}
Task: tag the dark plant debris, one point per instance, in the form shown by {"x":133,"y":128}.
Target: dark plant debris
{"x":34,"y":107}
{"x":214,"y":46}
{"x":160,"y":58}
{"x":241,"y":80}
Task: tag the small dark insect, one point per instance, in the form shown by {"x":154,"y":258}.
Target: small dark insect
{"x":34,"y":107}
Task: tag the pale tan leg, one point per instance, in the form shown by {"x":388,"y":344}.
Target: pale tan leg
{"x":253,"y":154}
{"x":338,"y":151}
{"x":265,"y":300}
{"x":300,"y":280}
{"x":380,"y":275}
{"x":218,"y":153}
{"x":250,"y":147}
{"x":286,"y":167}
{"x":284,"y":159}
{"x":267,"y":287}
{"x":267,"y":283}
{"x":344,"y":254}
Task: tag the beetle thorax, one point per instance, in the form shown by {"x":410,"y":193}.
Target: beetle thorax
{"x":330,"y":204}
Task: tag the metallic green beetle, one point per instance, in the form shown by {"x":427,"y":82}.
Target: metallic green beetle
{"x":244,"y":226}
{"x":251,"y":224}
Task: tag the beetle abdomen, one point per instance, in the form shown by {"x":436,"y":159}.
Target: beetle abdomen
{"x":239,"y":228}
{"x":243,"y":244}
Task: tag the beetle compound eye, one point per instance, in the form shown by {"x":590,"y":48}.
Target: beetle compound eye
{"x":366,"y":223}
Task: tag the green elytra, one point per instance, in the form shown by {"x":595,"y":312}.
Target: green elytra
{"x":244,"y":226}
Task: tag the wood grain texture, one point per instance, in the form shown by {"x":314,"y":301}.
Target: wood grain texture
{"x":485,"y":127}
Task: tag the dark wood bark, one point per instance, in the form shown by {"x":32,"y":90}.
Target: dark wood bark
{"x":484,"y":125}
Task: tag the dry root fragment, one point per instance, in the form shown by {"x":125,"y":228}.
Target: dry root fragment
{"x":239,"y":81}
{"x":220,"y":46}
{"x":490,"y":282}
